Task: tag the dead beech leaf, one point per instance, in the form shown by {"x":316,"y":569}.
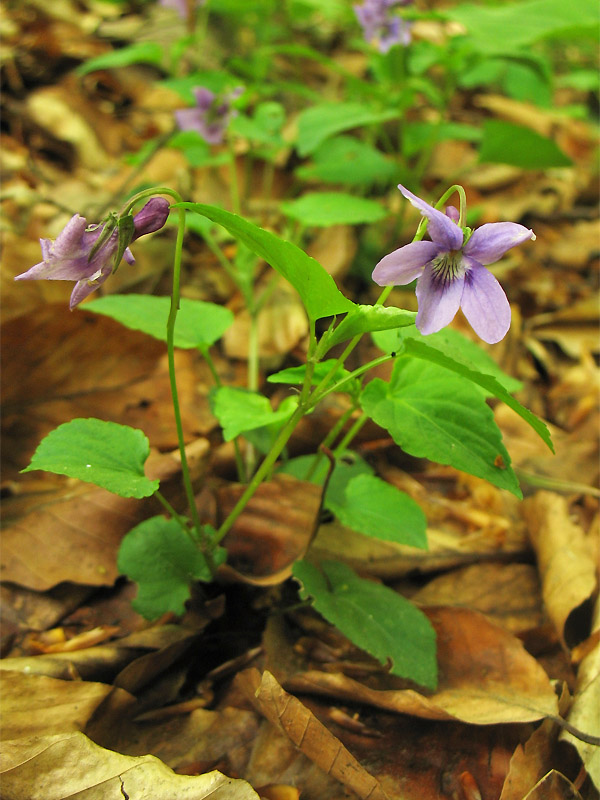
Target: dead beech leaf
{"x":585,"y":711}
{"x":282,"y":324}
{"x":72,"y":765}
{"x":530,"y":762}
{"x":564,"y":556}
{"x":508,"y":593}
{"x":553,"y":786}
{"x":274,"y":529}
{"x":309,"y":735}
{"x":121,"y":376}
{"x":447,"y":548}
{"x":486,"y":677}
{"x":76,"y":538}
{"x":35,"y":705}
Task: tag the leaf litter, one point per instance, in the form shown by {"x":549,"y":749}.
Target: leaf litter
{"x":249,"y":699}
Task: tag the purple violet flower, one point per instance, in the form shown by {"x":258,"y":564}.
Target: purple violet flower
{"x":451,"y":274}
{"x":180,"y":6}
{"x":67,"y":258}
{"x":377,"y":23}
{"x":211,"y":116}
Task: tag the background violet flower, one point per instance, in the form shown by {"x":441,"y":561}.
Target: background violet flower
{"x":451,"y":274}
{"x":211,"y":115}
{"x":68,"y":258}
{"x":181,"y":6}
{"x":377,"y":23}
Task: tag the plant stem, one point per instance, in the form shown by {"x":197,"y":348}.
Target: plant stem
{"x":239,"y":462}
{"x":185,"y":472}
{"x":261,"y":472}
{"x":233,"y":179}
{"x":357,"y":425}
{"x":177,"y":517}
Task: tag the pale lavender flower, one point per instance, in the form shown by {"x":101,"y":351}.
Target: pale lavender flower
{"x":451,"y":274}
{"x":378,"y":24}
{"x":181,"y":6}
{"x":211,"y":116}
{"x":68,"y":258}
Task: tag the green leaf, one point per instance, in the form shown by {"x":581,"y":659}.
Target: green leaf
{"x":263,"y":127}
{"x":374,"y":617}
{"x":314,"y":284}
{"x":510,"y":26}
{"x":333,"y":208}
{"x":347,"y":160}
{"x":487,"y":382}
{"x":348,"y":466}
{"x":318,"y":123}
{"x":366,"y":319}
{"x":164,"y":561}
{"x":377,"y":509}
{"x":454,"y":345}
{"x":432,"y":414}
{"x":199,"y":324}
{"x":110,"y":455}
{"x":507,"y":143}
{"x":239,"y":410}
{"x":295,"y":375}
{"x":363,"y":502}
{"x":418,"y":135}
{"x":138,"y":53}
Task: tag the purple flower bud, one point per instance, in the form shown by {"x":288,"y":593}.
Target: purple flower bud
{"x":68,"y":257}
{"x":451,"y":274}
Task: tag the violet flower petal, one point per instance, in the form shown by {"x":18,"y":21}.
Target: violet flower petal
{"x":404,"y":264}
{"x":485,"y":304}
{"x":440,"y":227}
{"x":438,"y":301}
{"x":492,"y":240}
{"x":204,"y":97}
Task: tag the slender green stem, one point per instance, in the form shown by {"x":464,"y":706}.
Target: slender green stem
{"x":177,"y":517}
{"x":319,"y":394}
{"x":175,"y":296}
{"x":351,"y":433}
{"x":328,"y":440}
{"x":239,"y":462}
{"x":233,"y":180}
{"x":261,"y":472}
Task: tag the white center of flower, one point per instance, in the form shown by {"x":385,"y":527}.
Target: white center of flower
{"x":447,"y":267}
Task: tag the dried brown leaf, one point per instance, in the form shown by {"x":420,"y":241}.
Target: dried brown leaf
{"x":76,"y":538}
{"x":585,"y":711}
{"x":508,"y":593}
{"x":564,"y":553}
{"x":72,"y":765}
{"x":486,"y":677}
{"x":309,"y":735}
{"x":36,"y":705}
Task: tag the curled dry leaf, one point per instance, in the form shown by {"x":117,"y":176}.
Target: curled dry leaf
{"x":564,"y":555}
{"x":35,"y":705}
{"x":72,"y":765}
{"x":486,"y":677}
{"x":309,"y":735}
{"x":585,"y":711}
{"x":532,"y":760}
{"x":274,"y":530}
{"x":553,"y":786}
